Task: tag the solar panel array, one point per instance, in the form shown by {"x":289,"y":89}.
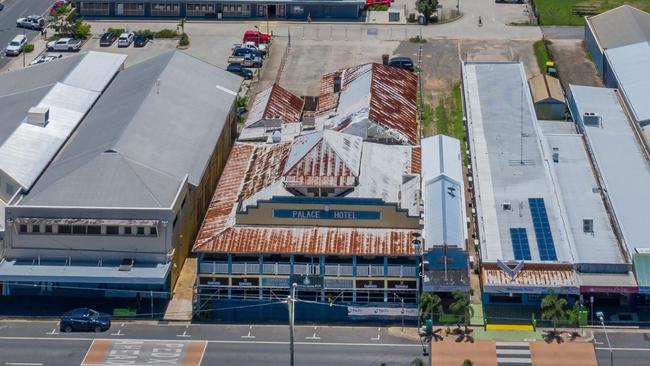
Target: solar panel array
{"x":520,"y":245}
{"x":542,"y":227}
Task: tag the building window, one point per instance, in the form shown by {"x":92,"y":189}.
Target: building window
{"x":112,"y":230}
{"x":79,"y":229}
{"x":165,"y":10}
{"x":36,"y":228}
{"x":140,"y":230}
{"x":65,"y":229}
{"x":128,"y":230}
{"x":94,"y":230}
{"x":153,"y":231}
{"x":22,"y":228}
{"x":199,"y":10}
{"x":93,"y":8}
{"x":236,"y":10}
{"x":133,"y":9}
{"x":48,"y":228}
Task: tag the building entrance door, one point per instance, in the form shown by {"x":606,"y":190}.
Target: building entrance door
{"x":272,"y":11}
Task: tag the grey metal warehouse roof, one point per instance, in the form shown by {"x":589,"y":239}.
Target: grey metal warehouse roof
{"x":619,"y":160}
{"x":621,"y":26}
{"x":630,"y":65}
{"x":444,"y":192}
{"x":156,"y":125}
{"x":510,"y":172}
{"x":68,"y":88}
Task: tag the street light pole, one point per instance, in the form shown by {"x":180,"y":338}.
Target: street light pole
{"x":291,"y":304}
{"x":611,"y":351}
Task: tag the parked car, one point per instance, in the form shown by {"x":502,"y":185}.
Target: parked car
{"x":16,"y":46}
{"x":246,"y":61}
{"x":141,"y":40}
{"x":125,"y":39}
{"x":35,"y":22}
{"x":84,"y":319}
{"x":405,"y":63}
{"x":256,"y":36}
{"x":378,"y":2}
{"x":247,"y":51}
{"x":240,"y":70}
{"x":57,"y":5}
{"x":64,"y":44}
{"x":46,"y":58}
{"x":107,"y":39}
{"x":252,"y":45}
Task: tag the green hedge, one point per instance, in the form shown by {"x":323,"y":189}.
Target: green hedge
{"x":185,"y":40}
{"x":117,"y":31}
{"x":166,"y":33}
{"x":29,"y":48}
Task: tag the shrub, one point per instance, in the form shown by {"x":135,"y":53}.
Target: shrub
{"x":379,"y":7}
{"x":29,"y":48}
{"x":412,"y":18}
{"x":185,"y":40}
{"x":82,"y":30}
{"x":117,"y":31}
{"x":145,"y":32}
{"x":417,"y":39}
{"x":166,"y":33}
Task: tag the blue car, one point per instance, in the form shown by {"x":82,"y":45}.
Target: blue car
{"x":84,"y":319}
{"x":240,"y":70}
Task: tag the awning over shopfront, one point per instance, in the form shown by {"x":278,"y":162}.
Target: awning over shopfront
{"x":607,"y":283}
{"x":139,"y":274}
{"x":531,"y":281}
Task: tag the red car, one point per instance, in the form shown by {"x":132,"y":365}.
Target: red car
{"x":57,"y":5}
{"x":378,"y":2}
{"x":257,"y":37}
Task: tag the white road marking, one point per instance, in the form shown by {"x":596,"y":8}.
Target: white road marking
{"x":184,"y":332}
{"x":23,"y":363}
{"x":314,"y":335}
{"x":118,"y":333}
{"x":249,"y":336}
{"x":513,"y":360}
{"x":624,"y":349}
{"x":513,"y":352}
{"x":53,"y":331}
{"x":378,"y":335}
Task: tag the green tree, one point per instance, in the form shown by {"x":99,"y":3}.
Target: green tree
{"x":467,"y":362}
{"x":430,"y":304}
{"x":462,"y":305}
{"x":554,"y":309}
{"x":65,"y":22}
{"x":427,"y":8}
{"x":418,"y":362}
{"x":574,"y":316}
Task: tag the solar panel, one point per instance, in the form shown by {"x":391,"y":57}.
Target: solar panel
{"x":520,"y":245}
{"x":543,"y":234}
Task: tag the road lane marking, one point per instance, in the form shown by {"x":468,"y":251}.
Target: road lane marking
{"x":378,"y":335}
{"x":249,"y":336}
{"x":624,"y":349}
{"x":184,"y":332}
{"x":23,"y":363}
{"x":314,"y":335}
{"x":53,"y":331}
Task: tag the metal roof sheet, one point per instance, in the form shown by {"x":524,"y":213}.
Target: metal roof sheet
{"x":607,"y":279}
{"x":620,"y":26}
{"x":619,"y":161}
{"x":544,"y":87}
{"x":531,"y":277}
{"x":277,"y":103}
{"x":630,"y":65}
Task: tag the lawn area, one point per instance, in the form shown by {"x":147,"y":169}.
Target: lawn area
{"x":558,"y":12}
{"x":541,"y":54}
{"x":449,"y":115}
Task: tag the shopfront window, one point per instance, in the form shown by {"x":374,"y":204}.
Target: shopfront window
{"x":129,"y":9}
{"x":236,"y":10}
{"x":165,"y":9}
{"x":93,"y":8}
{"x":199,"y":10}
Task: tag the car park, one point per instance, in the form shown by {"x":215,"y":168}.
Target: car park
{"x":256,"y":36}
{"x":35,"y":22}
{"x":240,"y":70}
{"x":247,"y":51}
{"x":125,"y":39}
{"x":405,"y":63}
{"x":64,"y":44}
{"x":84,"y":319}
{"x":107,"y":39}
{"x":141,"y":40}
{"x":16,"y":46}
{"x":46,"y":58}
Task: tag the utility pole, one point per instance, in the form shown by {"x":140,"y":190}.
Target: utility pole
{"x":291,"y":304}
{"x":24,"y":48}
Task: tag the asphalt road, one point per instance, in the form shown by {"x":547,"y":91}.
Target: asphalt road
{"x":629,"y":349}
{"x":40,"y":344}
{"x":13,"y":10}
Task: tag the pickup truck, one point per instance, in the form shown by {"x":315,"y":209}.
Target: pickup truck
{"x":256,"y":36}
{"x":32,"y":22}
{"x":64,"y":44}
{"x":246,"y":61}
{"x":251,"y":45}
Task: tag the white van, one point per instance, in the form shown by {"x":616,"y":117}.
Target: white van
{"x":15,"y":47}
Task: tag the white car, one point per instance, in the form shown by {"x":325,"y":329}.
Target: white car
{"x":64,"y":44}
{"x":125,"y":39}
{"x":46,"y":58}
{"x":15,"y":47}
{"x":35,"y":22}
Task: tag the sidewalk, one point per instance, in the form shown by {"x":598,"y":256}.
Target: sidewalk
{"x":16,"y":63}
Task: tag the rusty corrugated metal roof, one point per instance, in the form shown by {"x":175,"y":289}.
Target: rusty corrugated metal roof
{"x":266,"y":167}
{"x":393,"y":97}
{"x":416,"y":160}
{"x":275,"y":102}
{"x":533,"y":277}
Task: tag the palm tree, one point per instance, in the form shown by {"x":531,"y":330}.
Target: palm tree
{"x":554,"y":309}
{"x":574,"y":317}
{"x":461,"y":304}
{"x":430,"y":304}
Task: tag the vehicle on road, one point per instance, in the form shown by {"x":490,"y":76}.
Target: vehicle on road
{"x":35,"y":22}
{"x":141,"y":40}
{"x":57,"y":5}
{"x":16,"y":46}
{"x":64,"y":44}
{"x":84,"y":319}
{"x":246,"y":61}
{"x":125,"y":39}
{"x":256,"y":36}
{"x":405,"y":63}
{"x":107,"y":39}
{"x":261,"y":47}
{"x":46,"y":58}
{"x":240,"y":70}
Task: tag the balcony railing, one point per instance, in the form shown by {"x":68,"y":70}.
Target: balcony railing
{"x":332,"y":270}
{"x":213,"y":267}
{"x":338,"y":270}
